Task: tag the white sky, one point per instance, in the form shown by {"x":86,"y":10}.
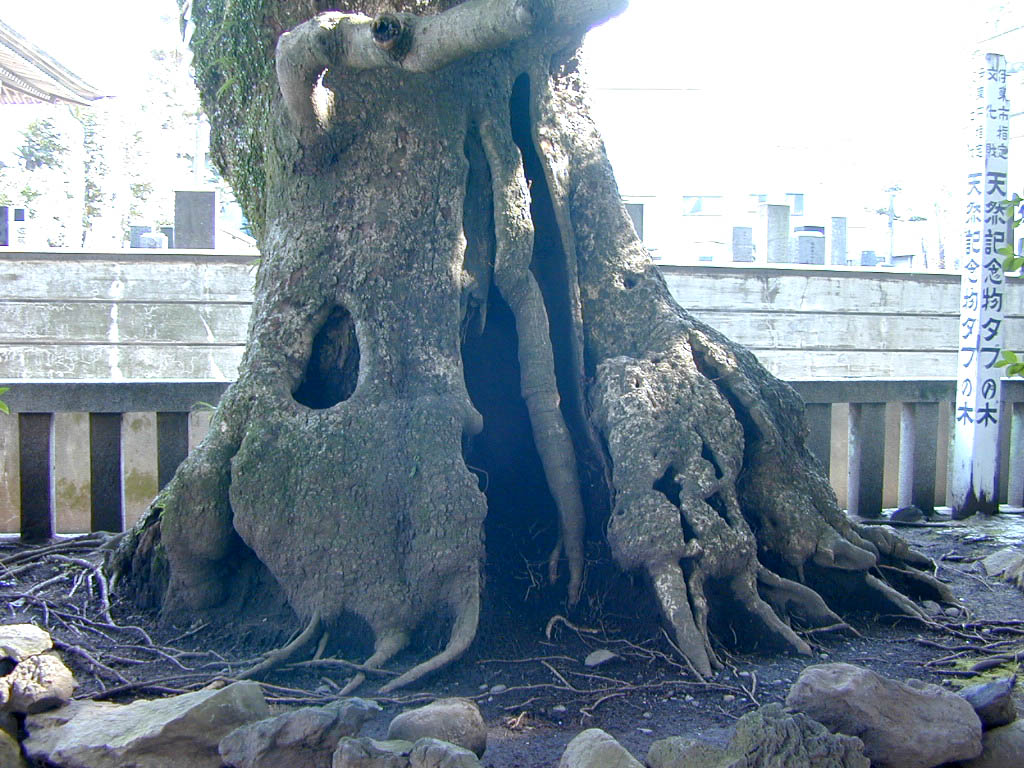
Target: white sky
{"x":870,"y":91}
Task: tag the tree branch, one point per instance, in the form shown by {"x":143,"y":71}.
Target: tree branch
{"x":414,"y":43}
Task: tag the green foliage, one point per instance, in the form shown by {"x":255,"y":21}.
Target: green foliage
{"x":1011,"y":263}
{"x":3,"y":405}
{"x":43,"y":146}
{"x":233,"y":43}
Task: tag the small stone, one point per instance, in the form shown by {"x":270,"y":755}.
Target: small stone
{"x":822,"y":655}
{"x":728,"y":698}
{"x":39,"y":683}
{"x":645,"y":730}
{"x":909,"y":514}
{"x":559,"y":709}
{"x":744,"y":673}
{"x":931,"y":607}
{"x":952,"y":611}
{"x":647,"y":715}
{"x":457,"y":721}
{"x":993,"y":701}
{"x":483,"y":687}
{"x":499,"y":688}
{"x":688,"y":697}
{"x":600,"y":656}
{"x":20,"y":641}
{"x":593,"y":748}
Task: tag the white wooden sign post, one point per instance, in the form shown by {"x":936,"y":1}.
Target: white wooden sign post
{"x":975,"y":478}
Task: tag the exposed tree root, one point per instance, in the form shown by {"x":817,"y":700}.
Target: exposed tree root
{"x":281,"y":655}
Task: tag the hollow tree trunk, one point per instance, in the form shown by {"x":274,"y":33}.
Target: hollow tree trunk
{"x":412,"y":176}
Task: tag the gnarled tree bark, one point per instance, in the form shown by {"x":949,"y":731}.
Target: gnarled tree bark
{"x":416,"y":172}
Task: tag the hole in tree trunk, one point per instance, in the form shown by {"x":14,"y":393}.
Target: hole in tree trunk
{"x":522,"y":519}
{"x":333,"y":366}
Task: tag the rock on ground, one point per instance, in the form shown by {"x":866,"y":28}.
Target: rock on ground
{"x":993,"y":701}
{"x":37,"y":684}
{"x":397,"y":753}
{"x":457,"y":721}
{"x":161,"y":733}
{"x":594,"y":748}
{"x":768,"y":736}
{"x":1001,"y":748}
{"x":19,"y":641}
{"x":883,"y":713}
{"x":10,"y":752}
{"x":304,"y":738}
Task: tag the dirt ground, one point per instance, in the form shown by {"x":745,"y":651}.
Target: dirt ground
{"x":526,"y":669}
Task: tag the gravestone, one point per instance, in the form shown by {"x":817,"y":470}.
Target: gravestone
{"x":742,"y":244}
{"x":19,"y":228}
{"x":195,"y":215}
{"x":777,"y":224}
{"x":153,"y":240}
{"x":5,"y":225}
{"x":868,"y":259}
{"x":974,"y":480}
{"x":135,"y":233}
{"x":810,"y":245}
{"x":838,"y":249}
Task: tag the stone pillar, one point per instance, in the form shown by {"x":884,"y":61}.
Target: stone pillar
{"x":742,"y":244}
{"x":195,"y":216}
{"x":777,"y":223}
{"x":974,"y":476}
{"x":839,"y":241}
{"x":5,"y":225}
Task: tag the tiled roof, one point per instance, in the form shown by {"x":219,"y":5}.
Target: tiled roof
{"x":29,"y":75}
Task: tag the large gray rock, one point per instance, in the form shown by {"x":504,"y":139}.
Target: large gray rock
{"x":457,"y":721}
{"x":1001,"y":748}
{"x":684,"y":752}
{"x":20,"y":641}
{"x":766,"y":737}
{"x":594,"y":748}
{"x":37,"y":684}
{"x":304,"y":738}
{"x":162,"y":733}
{"x":10,"y":752}
{"x":993,"y":701}
{"x":884,"y":714}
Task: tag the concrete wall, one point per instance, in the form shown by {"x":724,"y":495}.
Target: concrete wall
{"x":65,"y":315}
{"x":147,"y":315}
{"x":806,"y":323}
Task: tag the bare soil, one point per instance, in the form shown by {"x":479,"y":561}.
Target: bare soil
{"x":526,"y":669}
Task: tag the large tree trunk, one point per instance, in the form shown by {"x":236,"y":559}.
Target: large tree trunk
{"x":427,"y":186}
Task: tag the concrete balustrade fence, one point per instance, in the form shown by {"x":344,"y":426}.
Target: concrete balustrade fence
{"x":30,"y":435}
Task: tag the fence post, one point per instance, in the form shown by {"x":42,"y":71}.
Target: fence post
{"x":105,"y":472}
{"x":35,"y":445}
{"x":867,"y":459}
